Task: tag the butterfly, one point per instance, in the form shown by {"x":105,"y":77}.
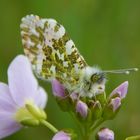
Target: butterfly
{"x":54,"y":56}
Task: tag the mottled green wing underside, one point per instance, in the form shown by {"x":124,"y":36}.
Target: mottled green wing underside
{"x":52,"y":53}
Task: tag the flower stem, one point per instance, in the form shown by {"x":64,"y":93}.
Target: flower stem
{"x":97,"y":124}
{"x":50,"y":126}
{"x":79,"y":125}
{"x":87,"y":132}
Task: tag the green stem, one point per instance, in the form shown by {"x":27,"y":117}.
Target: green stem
{"x":50,"y":126}
{"x":97,"y":124}
{"x":86,"y":137}
{"x":79,"y":125}
{"x":87,"y":132}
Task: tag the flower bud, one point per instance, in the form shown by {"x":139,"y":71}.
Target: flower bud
{"x":58,"y":89}
{"x":82,"y":109}
{"x":120,"y":91}
{"x":115,"y":103}
{"x":61,"y":135}
{"x":61,"y":95}
{"x":115,"y":100}
{"x":112,"y":108}
{"x":105,"y":134}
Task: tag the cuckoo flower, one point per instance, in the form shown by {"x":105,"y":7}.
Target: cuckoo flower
{"x":21,"y":99}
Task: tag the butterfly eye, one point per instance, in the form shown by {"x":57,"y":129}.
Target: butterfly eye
{"x":94,"y":78}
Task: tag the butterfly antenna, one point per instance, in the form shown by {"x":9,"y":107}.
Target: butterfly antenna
{"x":121,"y":71}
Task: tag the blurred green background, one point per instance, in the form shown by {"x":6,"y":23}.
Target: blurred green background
{"x":107,"y":33}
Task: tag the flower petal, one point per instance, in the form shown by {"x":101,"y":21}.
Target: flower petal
{"x":41,"y":98}
{"x":22,"y":83}
{"x":8,"y":124}
{"x":61,"y":136}
{"x":6,"y":101}
{"x":58,"y":89}
{"x":121,"y":90}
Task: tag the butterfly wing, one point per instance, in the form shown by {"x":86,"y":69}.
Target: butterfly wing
{"x":52,"y":53}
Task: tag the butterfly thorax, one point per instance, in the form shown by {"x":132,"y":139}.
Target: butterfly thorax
{"x":91,"y":82}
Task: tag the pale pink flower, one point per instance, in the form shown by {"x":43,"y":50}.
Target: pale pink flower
{"x":22,"y":87}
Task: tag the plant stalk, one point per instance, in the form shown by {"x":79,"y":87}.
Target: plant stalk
{"x":50,"y":126}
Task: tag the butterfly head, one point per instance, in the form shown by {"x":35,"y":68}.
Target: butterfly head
{"x":94,"y":81}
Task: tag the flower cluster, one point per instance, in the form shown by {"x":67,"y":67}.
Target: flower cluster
{"x":90,"y":111}
{"x":87,"y":108}
{"x":22,"y":103}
